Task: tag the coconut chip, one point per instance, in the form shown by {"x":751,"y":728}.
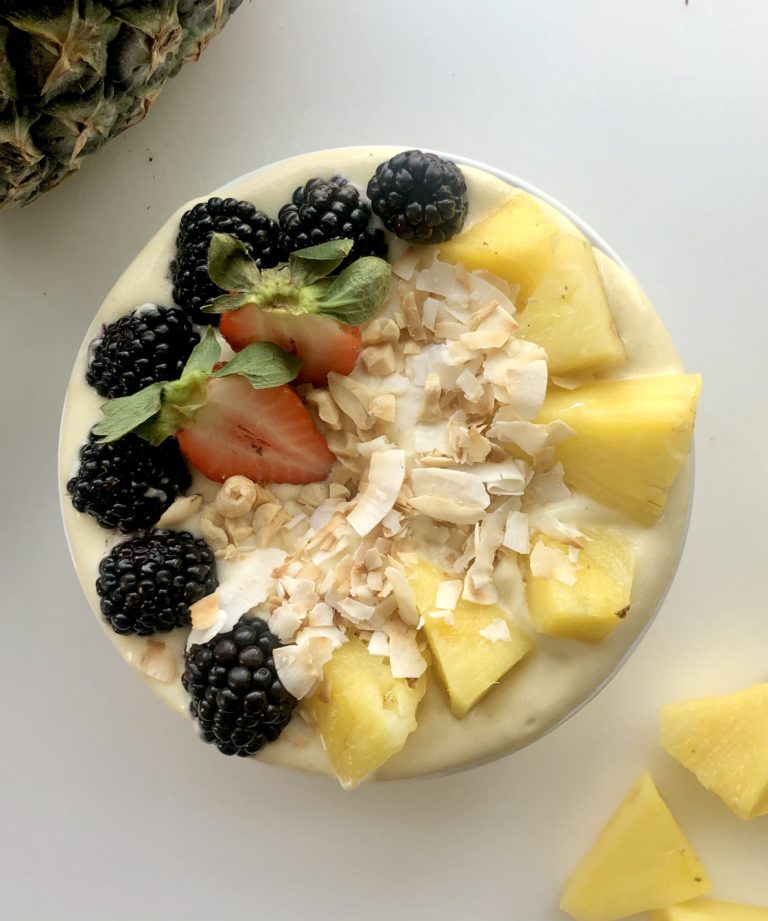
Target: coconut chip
{"x":478,"y":582}
{"x":516,"y":532}
{"x":448,"y":495}
{"x":496,"y":631}
{"x":205,"y":612}
{"x":182,"y":509}
{"x":405,"y":658}
{"x":379,"y":644}
{"x":448,"y":594}
{"x":385,"y":477}
{"x":159,"y":662}
{"x":551,"y":563}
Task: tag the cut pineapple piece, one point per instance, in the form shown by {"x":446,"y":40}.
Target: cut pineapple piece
{"x":724,"y":742}
{"x":514,"y":243}
{"x":467,"y":663}
{"x":708,"y":910}
{"x":364,"y":714}
{"x":568,"y":313}
{"x":641,"y":861}
{"x":632,"y":438}
{"x":589,"y":609}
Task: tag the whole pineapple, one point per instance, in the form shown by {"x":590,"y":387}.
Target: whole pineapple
{"x":75,"y":73}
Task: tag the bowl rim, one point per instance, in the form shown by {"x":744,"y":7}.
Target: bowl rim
{"x":600,"y":243}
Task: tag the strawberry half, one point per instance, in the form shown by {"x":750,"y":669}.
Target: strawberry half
{"x":322,"y":344}
{"x":266,"y":435}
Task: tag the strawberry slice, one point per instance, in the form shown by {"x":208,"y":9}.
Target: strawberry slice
{"x":266,"y":435}
{"x":321,"y":343}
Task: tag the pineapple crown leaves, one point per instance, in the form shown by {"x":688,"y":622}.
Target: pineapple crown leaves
{"x":303,"y":286}
{"x":164,"y":408}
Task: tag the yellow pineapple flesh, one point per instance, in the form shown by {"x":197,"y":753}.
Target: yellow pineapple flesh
{"x":709,"y":910}
{"x":568,"y":314}
{"x":724,"y":742}
{"x":632,"y":439}
{"x":514,"y":243}
{"x":467,"y":663}
{"x":642,"y":861}
{"x":597,"y":602}
{"x":363,"y":713}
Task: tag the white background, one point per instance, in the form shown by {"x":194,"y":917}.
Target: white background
{"x":648,"y":118}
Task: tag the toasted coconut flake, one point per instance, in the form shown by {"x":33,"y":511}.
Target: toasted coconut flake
{"x":485,"y":286}
{"x":205,"y":612}
{"x":430,"y":410}
{"x":405,"y":658}
{"x":429,"y":310}
{"x":321,"y":615}
{"x":448,"y":594}
{"x":381,"y":443}
{"x":385,"y":477}
{"x":552,"y":563}
{"x":327,"y":409}
{"x":443,"y":278}
{"x":444,"y":615}
{"x":470,"y":386}
{"x":392,"y":523}
{"x":497,"y":631}
{"x":379,"y":644}
{"x":373,"y":559}
{"x":478,"y":582}
{"x":413,"y":318}
{"x":516,"y":533}
{"x":466,"y":489}
{"x":347,"y":395}
{"x":446,"y":509}
{"x":404,"y":265}
{"x":501,"y":478}
{"x":286,"y":620}
{"x":549,"y":486}
{"x":544,"y":522}
{"x":296,"y":670}
{"x":182,"y":509}
{"x":482,"y":339}
{"x":403,"y":594}
{"x":159,"y":662}
{"x":355,"y":610}
{"x":526,"y":388}
{"x":430,"y":437}
{"x":468,"y":553}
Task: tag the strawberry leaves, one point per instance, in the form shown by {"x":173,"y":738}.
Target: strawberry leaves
{"x":303,"y":286}
{"x":164,"y":408}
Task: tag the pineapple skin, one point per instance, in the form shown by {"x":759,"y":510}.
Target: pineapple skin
{"x":632,"y":438}
{"x":710,"y":910}
{"x":72,"y":79}
{"x":724,"y":742}
{"x":364,"y":714}
{"x":467,"y":664}
{"x":598,"y":601}
{"x":641,"y":861}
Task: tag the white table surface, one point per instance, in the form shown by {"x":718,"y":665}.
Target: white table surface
{"x":648,"y":118}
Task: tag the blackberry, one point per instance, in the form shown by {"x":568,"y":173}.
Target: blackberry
{"x":419,"y":196}
{"x":192,"y":288}
{"x":147,"y":583}
{"x":129,"y":483}
{"x":237,"y":698}
{"x":329,"y":209}
{"x":151,"y":344}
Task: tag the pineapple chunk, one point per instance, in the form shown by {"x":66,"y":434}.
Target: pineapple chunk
{"x":632,"y":439}
{"x":364,"y":714}
{"x":708,"y":910}
{"x":641,"y":861}
{"x":467,"y":663}
{"x":514,"y":243}
{"x":568,"y":313}
{"x":724,"y":742}
{"x":589,"y":609}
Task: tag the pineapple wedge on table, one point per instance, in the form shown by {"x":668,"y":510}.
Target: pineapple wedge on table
{"x":598,"y":600}
{"x":467,"y":663}
{"x":631,"y":439}
{"x":709,"y":910}
{"x":724,"y":742}
{"x":364,"y":714}
{"x":641,"y":861}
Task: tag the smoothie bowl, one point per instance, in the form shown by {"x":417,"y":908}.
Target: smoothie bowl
{"x":375,"y":464}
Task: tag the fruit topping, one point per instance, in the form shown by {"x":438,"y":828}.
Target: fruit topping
{"x":302,"y":307}
{"x":149,"y":345}
{"x":631,"y":439}
{"x":234,"y":419}
{"x":148,"y":583}
{"x":329,"y":209}
{"x":578,"y":583}
{"x":192,"y":288}
{"x":474,"y":645}
{"x":419,"y":196}
{"x":237,"y":698}
{"x":724,"y":742}
{"x":128,"y":484}
{"x":322,"y":344}
{"x":641,"y":861}
{"x":365,"y":715}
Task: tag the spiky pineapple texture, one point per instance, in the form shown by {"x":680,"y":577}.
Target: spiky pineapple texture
{"x":75,"y":73}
